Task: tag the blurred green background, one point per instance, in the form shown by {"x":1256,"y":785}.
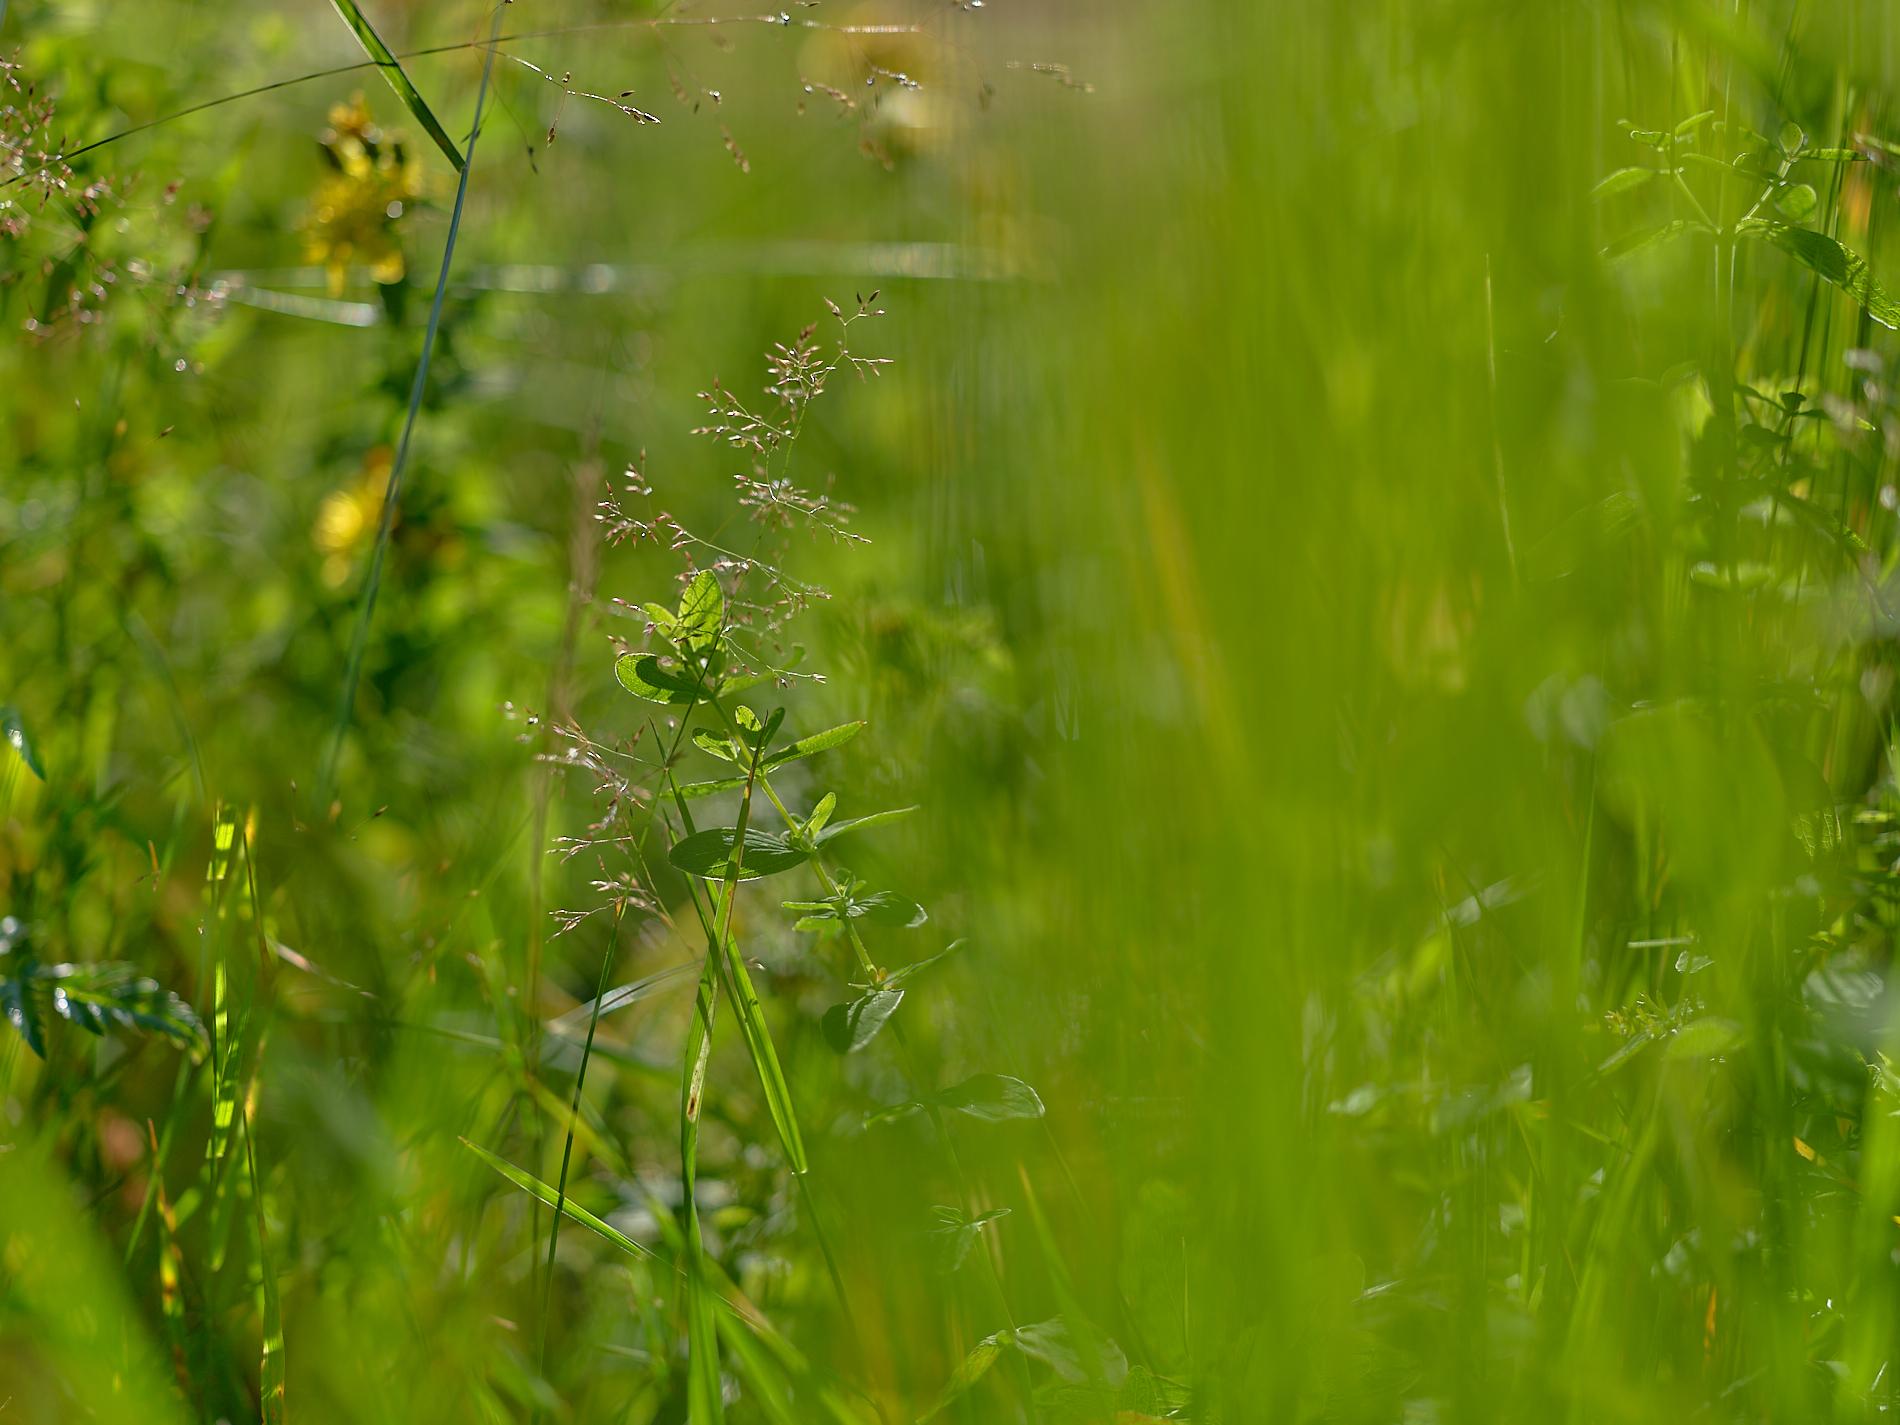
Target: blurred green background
{"x":1400,"y":704}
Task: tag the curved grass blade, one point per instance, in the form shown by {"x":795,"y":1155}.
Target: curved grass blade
{"x":567,"y":1147}
{"x":546,"y":1196}
{"x":392,"y":494}
{"x":758,"y":1042}
{"x":271,"y":1373}
{"x":392,"y":69}
{"x":704,"y":1404}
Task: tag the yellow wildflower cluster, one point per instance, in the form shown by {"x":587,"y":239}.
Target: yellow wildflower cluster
{"x":353,"y":217}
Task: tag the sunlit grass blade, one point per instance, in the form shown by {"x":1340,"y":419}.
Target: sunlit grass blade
{"x":704,"y":1402}
{"x":765,"y":1062}
{"x":547,"y":1196}
{"x":271,"y":1368}
{"x":393,"y":71}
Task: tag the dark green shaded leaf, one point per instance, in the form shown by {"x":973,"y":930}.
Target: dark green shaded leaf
{"x":709,"y":853}
{"x":21,"y":1008}
{"x":1832,"y":262}
{"x":13,"y":732}
{"x":900,"y":976}
{"x":849,"y":1027}
{"x":887,"y":908}
{"x":969,"y":1371}
{"x":114,"y":996}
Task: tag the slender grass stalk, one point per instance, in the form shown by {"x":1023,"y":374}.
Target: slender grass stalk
{"x":567,"y":1148}
{"x":392,"y":495}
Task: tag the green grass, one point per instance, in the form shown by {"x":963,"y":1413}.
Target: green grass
{"x":1287,"y":813}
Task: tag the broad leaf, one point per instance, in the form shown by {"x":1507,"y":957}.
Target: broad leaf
{"x":645,"y":676}
{"x":709,"y":854}
{"x":954,"y":1234}
{"x":849,"y":1027}
{"x":969,"y":1371}
{"x":1056,"y":1346}
{"x":1832,"y":262}
{"x":702,"y":611}
{"x":993,"y":1098}
{"x":114,"y":996}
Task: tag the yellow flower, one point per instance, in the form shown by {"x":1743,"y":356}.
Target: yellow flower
{"x":356,"y":207}
{"x":347,"y":517}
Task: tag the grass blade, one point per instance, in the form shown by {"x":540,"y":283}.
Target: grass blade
{"x":567,"y":1148}
{"x":547,"y":1197}
{"x":704,"y":1403}
{"x":271,"y":1371}
{"x":392,"y":69}
{"x":366,"y":610}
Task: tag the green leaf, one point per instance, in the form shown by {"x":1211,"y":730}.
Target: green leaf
{"x":898,"y":977}
{"x":1704,"y":1039}
{"x":954,"y":1235}
{"x":1637,"y":241}
{"x":714,"y":744}
{"x":849,"y":1027}
{"x":817,"y":742}
{"x":765,"y":1062}
{"x":887,"y":908}
{"x":13,"y":732}
{"x":1791,"y":137}
{"x":645,"y":676}
{"x":115,"y":996}
{"x":994,"y":1098}
{"x":709,"y":853}
{"x":969,"y":1371}
{"x":547,"y":1197}
{"x":1055,"y":1345}
{"x":1796,"y":202}
{"x":693,"y":790}
{"x":1832,"y":262}
{"x":380,"y":53}
{"x":861,"y":823}
{"x":821,"y":813}
{"x":702,"y":610}
{"x":20,"y":1005}
{"x":1689,"y":125}
{"x":1622,"y":181}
